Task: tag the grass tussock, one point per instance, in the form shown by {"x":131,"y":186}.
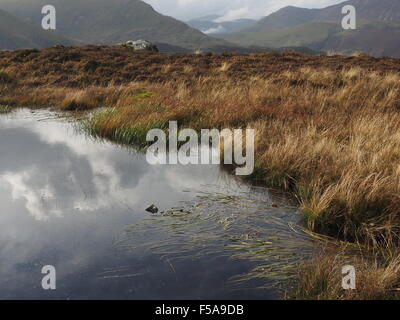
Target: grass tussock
{"x":111,"y":124}
{"x":376,"y":277}
{"x":82,"y":100}
{"x":5,"y":109}
{"x":5,"y":78}
{"x":224,"y":67}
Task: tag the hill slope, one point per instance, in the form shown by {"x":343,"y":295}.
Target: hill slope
{"x":377,"y":33}
{"x":283,"y":18}
{"x":16,"y":34}
{"x":373,"y":37}
{"x":376,"y":38}
{"x":105,"y":65}
{"x":312,"y":35}
{"x":110,"y":22}
{"x":379,"y":10}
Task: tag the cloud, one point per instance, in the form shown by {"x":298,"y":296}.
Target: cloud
{"x":235,"y":14}
{"x":219,"y":29}
{"x":230,"y":9}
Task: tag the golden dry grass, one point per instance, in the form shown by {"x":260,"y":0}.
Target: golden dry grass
{"x":376,"y":277}
{"x":332,"y":137}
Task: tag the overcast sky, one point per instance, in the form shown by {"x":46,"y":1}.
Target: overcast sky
{"x":230,"y":9}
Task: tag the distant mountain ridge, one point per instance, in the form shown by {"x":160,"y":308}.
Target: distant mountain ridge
{"x":283,"y":18}
{"x":16,"y":33}
{"x":378,"y":10}
{"x":111,"y":22}
{"x":378,"y":29}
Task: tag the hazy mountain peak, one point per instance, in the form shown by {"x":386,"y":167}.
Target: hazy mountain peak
{"x":16,"y":33}
{"x":377,"y":33}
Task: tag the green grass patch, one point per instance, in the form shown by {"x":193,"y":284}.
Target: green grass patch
{"x":144,"y":94}
{"x":100,"y":125}
{"x":4,"y":109}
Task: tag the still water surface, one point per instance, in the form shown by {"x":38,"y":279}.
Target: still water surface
{"x":78,"y":204}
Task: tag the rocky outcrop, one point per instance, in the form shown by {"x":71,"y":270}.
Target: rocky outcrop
{"x":140,"y":45}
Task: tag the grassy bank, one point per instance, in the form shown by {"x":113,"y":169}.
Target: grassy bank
{"x":333,"y":139}
{"x":329,"y":133}
{"x":377,"y":275}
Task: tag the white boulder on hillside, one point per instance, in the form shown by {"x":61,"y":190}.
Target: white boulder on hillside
{"x":140,"y":45}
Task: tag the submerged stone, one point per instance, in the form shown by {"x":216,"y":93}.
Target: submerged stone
{"x":152,"y":209}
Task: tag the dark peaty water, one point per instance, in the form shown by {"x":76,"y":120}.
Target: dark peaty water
{"x":79,"y":205}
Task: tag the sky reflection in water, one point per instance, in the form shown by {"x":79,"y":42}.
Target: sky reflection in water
{"x":66,"y":198}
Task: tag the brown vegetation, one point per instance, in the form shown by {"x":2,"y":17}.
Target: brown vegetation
{"x":377,"y":276}
{"x":327,"y":128}
{"x":91,"y":65}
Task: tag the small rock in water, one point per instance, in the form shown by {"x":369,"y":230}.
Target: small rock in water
{"x":152,"y":209}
